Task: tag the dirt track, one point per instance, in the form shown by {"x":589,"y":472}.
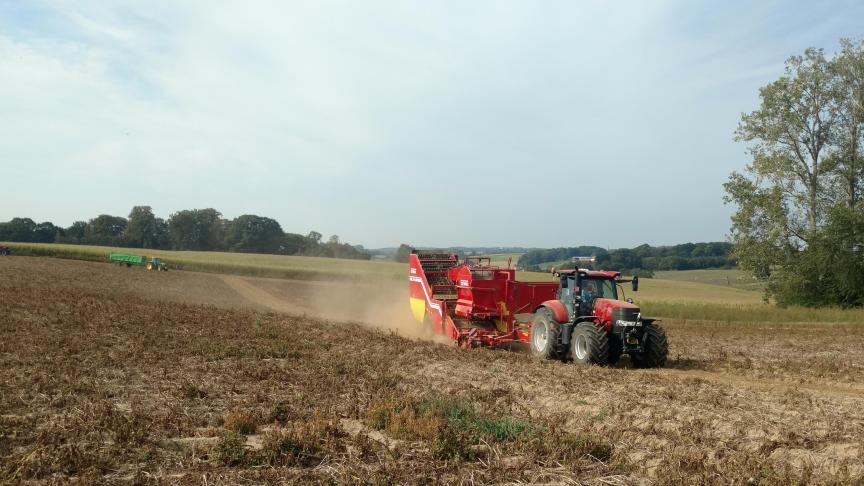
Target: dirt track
{"x":737,"y":402}
{"x":257,"y":296}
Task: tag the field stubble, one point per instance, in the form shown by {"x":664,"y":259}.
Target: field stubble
{"x":112,"y":374}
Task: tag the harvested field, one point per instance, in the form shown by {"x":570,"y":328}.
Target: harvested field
{"x":119,"y":375}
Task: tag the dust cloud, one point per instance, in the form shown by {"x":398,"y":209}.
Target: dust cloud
{"x":378,"y":303}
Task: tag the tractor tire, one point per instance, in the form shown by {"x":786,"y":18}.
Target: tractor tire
{"x":656,"y":349}
{"x":150,"y":266}
{"x":544,"y":335}
{"x":616,"y":349}
{"x":589,"y":344}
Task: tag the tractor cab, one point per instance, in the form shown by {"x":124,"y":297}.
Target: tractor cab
{"x":156,"y":264}
{"x":581,"y":288}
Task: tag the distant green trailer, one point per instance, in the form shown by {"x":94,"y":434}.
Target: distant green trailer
{"x":151,"y":263}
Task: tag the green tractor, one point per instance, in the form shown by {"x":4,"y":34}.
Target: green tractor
{"x":150,"y":263}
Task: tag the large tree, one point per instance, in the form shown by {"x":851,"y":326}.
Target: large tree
{"x":105,"y":230}
{"x":17,"y":229}
{"x":145,"y":230}
{"x":251,"y":233}
{"x":790,"y":136}
{"x":45,"y":232}
{"x":849,"y":74}
{"x":805,"y":143}
{"x":197,"y":229}
{"x":74,"y":233}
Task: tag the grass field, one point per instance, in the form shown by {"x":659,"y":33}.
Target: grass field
{"x":114,"y":374}
{"x":282,"y":266}
{"x":503,"y":258}
{"x":722,"y":277}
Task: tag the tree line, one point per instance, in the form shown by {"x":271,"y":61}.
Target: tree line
{"x":191,"y":229}
{"x":642,"y":260}
{"x":799,"y":224}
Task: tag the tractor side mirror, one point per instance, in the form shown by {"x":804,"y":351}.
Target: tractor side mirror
{"x":635,"y":283}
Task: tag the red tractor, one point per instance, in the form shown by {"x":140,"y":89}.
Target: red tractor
{"x":581,"y":317}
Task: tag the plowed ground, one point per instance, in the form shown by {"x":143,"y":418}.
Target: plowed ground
{"x":111,"y":375}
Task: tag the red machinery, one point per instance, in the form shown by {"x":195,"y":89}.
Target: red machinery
{"x":580,"y":317}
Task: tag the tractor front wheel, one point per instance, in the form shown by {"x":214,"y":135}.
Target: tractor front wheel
{"x":656,"y":348}
{"x":544,"y":335}
{"x":589,"y":344}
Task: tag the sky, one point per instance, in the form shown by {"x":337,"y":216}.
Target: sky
{"x":475,"y":123}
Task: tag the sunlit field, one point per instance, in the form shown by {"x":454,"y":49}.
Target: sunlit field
{"x":723,"y":277}
{"x":695,"y":295}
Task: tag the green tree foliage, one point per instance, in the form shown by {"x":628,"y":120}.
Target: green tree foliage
{"x":45,"y":232}
{"x":830,"y":270}
{"x":333,"y":248}
{"x":848,"y":68}
{"x":145,"y":230}
{"x":294,"y":244}
{"x":105,"y":230}
{"x":74,"y":233}
{"x":805,"y":140}
{"x":643,"y":259}
{"x":314,"y":236}
{"x":536,"y":257}
{"x":26,"y":230}
{"x":402,"y":253}
{"x":18,"y":229}
{"x":196,"y":229}
{"x":255,"y":234}
{"x":790,"y":136}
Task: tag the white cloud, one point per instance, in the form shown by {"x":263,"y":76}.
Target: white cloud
{"x":368,"y":119}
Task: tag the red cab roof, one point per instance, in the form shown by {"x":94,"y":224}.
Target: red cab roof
{"x":591,"y":273}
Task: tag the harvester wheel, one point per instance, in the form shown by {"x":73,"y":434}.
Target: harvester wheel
{"x":656,"y":348}
{"x":544,"y":335}
{"x":589,"y":344}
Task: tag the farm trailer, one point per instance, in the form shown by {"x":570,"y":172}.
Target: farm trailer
{"x":151,"y":263}
{"x":579,"y":317}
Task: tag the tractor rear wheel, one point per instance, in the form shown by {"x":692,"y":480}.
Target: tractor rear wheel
{"x":149,"y":266}
{"x":544,"y":335}
{"x":589,"y":344}
{"x":656,"y":348}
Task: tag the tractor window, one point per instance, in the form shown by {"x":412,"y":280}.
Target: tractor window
{"x":593,"y":288}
